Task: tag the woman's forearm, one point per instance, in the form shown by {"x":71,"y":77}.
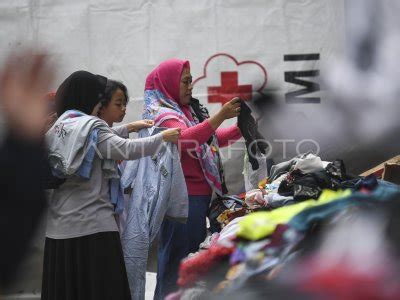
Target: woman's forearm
{"x":216,"y":120}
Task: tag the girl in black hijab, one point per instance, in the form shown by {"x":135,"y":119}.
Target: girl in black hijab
{"x":83,"y":255}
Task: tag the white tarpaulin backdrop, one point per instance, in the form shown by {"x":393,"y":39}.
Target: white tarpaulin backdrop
{"x":232,"y":45}
{"x":125,"y":40}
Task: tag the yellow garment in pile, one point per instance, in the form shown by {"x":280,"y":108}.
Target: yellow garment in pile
{"x":261,"y":224}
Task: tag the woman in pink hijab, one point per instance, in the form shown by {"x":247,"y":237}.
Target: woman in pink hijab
{"x":169,"y":102}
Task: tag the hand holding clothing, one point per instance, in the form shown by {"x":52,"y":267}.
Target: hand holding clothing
{"x":231,"y":109}
{"x":140,"y":124}
{"x":171,"y":135}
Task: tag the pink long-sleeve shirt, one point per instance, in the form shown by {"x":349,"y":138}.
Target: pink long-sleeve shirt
{"x":197,"y":135}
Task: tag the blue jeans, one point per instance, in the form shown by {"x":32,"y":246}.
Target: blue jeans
{"x":176,"y":241}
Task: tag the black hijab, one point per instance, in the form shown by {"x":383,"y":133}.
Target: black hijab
{"x":82,"y":91}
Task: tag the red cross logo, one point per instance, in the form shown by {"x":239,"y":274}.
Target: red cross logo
{"x":250,"y":71}
{"x":229,"y":88}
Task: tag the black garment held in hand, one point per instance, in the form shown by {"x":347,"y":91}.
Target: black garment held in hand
{"x":254,"y":140}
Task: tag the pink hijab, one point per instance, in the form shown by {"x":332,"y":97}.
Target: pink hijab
{"x":166,"y":77}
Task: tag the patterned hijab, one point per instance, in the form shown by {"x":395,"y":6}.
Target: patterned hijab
{"x":161,"y":99}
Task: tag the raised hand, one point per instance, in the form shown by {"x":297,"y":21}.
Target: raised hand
{"x":25,"y":79}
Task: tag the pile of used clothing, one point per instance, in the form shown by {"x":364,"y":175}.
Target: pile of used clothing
{"x":288,"y":238}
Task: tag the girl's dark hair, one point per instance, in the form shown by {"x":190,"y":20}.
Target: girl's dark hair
{"x":82,"y":90}
{"x":111,"y":87}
